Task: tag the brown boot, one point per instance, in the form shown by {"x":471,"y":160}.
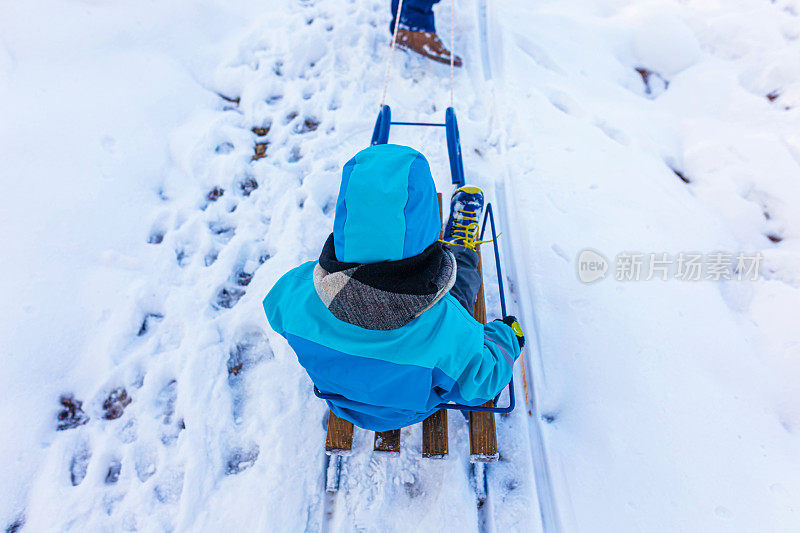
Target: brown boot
{"x":427,"y":44}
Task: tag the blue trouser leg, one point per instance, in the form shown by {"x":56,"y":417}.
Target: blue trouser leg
{"x":468,"y":281}
{"x":417,"y":15}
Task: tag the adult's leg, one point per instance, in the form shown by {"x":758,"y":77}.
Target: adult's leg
{"x":417,"y":15}
{"x":468,"y":281}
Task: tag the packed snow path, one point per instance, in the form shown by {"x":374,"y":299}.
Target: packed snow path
{"x":618,"y":126}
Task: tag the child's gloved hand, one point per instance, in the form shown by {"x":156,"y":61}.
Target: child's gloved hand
{"x":511,"y":321}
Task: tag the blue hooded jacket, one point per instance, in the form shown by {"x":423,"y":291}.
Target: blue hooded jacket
{"x":391,"y":374}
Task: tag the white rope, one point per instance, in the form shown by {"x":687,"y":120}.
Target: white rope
{"x":452,"y":50}
{"x":391,"y":52}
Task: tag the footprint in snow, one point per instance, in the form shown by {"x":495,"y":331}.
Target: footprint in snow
{"x":222,"y":231}
{"x":172,"y":432}
{"x":295,"y":155}
{"x":565,"y":103}
{"x":612,"y":132}
{"x":148,"y":322}
{"x":16,"y":525}
{"x":182,"y":256}
{"x":71,"y":414}
{"x":227,"y":297}
{"x":224,"y":148}
{"x":144,"y":462}
{"x":115,"y":403}
{"x":127,"y":433}
{"x":156,"y":237}
{"x":114,"y":469}
{"x":165,"y":401}
{"x":240,"y":459}
{"x":211,"y":257}
{"x":169,"y":487}
{"x":245,"y":354}
{"x":79,"y":464}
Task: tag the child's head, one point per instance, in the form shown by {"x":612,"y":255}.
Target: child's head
{"x":387,"y":207}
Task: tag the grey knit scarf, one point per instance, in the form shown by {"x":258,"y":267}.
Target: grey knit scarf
{"x":386,"y":295}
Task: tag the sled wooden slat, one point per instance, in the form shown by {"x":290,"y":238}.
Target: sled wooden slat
{"x":482,"y":437}
{"x":434,"y":435}
{"x":434,"y":428}
{"x":482,"y":433}
{"x":387,"y":441}
{"x":339,"y":439}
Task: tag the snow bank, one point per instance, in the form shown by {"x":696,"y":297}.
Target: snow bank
{"x":672,"y":402}
{"x":90,"y":93}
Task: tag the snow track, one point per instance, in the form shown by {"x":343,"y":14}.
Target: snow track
{"x":534,"y":379}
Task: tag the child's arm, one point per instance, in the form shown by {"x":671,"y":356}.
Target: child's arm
{"x":486,"y":371}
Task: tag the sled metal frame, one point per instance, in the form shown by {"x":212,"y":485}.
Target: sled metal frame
{"x":380,"y":135}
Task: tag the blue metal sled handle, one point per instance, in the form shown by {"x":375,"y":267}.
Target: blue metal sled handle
{"x":457,"y":406}
{"x":380,"y":135}
{"x":454,"y":147}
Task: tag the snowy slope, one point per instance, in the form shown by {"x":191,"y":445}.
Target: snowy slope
{"x":147,"y":235}
{"x":672,"y":401}
{"x":89,"y":94}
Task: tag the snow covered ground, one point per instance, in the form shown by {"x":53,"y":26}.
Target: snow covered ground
{"x":140,"y":235}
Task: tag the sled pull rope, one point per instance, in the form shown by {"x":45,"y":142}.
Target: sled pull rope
{"x":391,"y":52}
{"x":452,"y":49}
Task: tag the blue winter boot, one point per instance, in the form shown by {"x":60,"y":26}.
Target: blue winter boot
{"x":466,"y":208}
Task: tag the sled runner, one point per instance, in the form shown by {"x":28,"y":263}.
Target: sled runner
{"x":482,"y":434}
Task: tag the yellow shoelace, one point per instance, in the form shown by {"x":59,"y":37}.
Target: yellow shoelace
{"x":467,"y":232}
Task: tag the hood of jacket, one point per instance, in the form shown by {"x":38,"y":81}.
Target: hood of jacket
{"x":387,"y":208}
{"x":383,"y":265}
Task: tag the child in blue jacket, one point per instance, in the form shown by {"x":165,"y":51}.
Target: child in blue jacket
{"x":383,"y":318}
